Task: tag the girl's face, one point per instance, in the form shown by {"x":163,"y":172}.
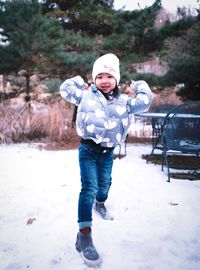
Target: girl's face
{"x":105,"y":82}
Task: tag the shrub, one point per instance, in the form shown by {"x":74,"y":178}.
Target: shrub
{"x":52,"y":84}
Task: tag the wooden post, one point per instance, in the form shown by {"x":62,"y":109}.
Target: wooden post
{"x":1,"y":84}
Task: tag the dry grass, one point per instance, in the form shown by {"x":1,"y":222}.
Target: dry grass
{"x":36,"y":121}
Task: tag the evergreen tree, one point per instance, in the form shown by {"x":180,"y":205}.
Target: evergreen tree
{"x":90,"y":16}
{"x":64,"y":5}
{"x":185,"y":65}
{"x":32,"y":40}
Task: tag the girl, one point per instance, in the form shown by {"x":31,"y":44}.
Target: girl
{"x":103,"y":119}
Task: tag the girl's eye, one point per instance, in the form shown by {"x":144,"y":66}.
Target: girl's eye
{"x":107,"y":76}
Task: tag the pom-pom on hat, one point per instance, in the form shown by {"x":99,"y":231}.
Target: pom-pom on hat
{"x":107,"y":63}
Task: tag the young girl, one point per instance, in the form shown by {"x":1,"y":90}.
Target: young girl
{"x":103,"y":119}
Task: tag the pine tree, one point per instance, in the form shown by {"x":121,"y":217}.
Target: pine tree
{"x":31,"y":39}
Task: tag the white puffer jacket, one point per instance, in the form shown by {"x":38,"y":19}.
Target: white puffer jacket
{"x":103,"y":121}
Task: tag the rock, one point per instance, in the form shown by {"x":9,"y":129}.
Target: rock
{"x":20,"y":81}
{"x":22,"y":72}
{"x":34,"y":81}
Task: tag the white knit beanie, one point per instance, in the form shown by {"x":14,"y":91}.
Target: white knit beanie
{"x":107,"y":63}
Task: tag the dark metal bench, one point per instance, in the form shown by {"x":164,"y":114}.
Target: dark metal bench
{"x":181,"y":134}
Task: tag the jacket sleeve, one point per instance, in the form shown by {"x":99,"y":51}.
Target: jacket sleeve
{"x":72,"y":89}
{"x":143,"y":100}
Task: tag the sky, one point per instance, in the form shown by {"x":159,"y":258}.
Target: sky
{"x":156,"y":224}
{"x":169,"y":5}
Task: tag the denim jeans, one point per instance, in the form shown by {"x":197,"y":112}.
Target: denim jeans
{"x":95,"y":169}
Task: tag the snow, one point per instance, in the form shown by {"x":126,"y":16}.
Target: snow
{"x":156,"y":224}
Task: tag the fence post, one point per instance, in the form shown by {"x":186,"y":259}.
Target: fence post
{"x":1,"y":83}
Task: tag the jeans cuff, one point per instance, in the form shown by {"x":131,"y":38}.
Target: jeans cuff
{"x":99,"y":202}
{"x":85,"y":224}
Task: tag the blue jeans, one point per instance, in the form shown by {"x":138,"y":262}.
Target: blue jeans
{"x":95,"y":169}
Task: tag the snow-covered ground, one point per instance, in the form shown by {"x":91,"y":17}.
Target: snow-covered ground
{"x":156,"y":224}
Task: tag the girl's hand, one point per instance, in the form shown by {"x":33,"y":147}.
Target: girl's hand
{"x":85,"y":86}
{"x":131,"y":89}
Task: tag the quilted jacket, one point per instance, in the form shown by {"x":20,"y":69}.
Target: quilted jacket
{"x":103,"y":121}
